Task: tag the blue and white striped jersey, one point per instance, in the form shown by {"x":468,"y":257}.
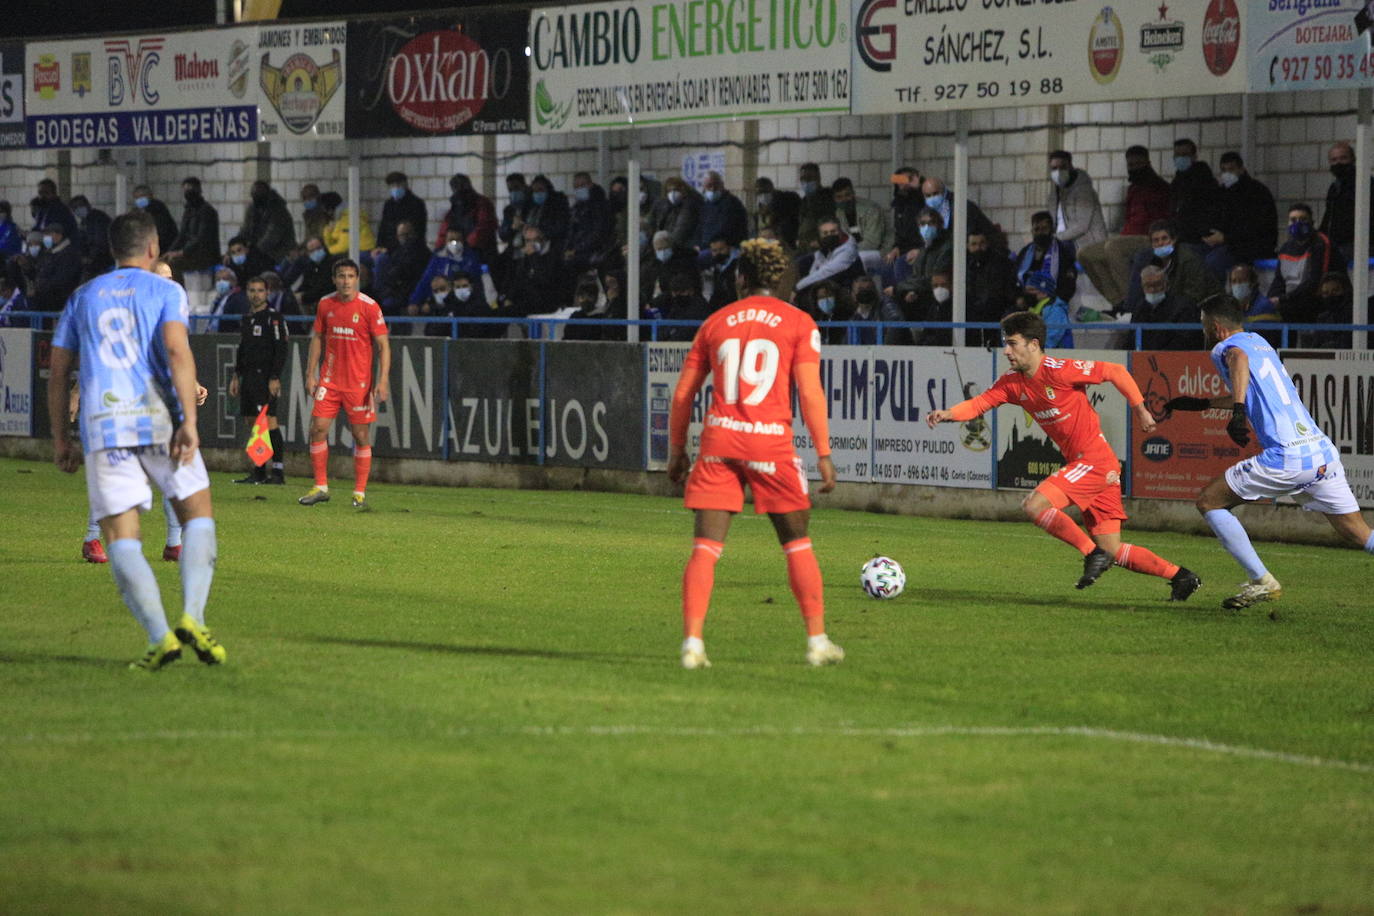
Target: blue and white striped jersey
{"x":114,"y":324}
{"x":1291,"y":439}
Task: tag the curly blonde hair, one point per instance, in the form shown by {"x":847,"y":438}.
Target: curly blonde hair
{"x":762,"y":264}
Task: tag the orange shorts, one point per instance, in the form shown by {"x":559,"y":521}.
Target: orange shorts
{"x":357,"y":405}
{"x":1094,"y":488}
{"x":718,"y":483}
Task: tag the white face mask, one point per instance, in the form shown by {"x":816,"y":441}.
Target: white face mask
{"x":455,"y":247}
{"x":674,"y":197}
{"x":1154,"y":298}
{"x":1228,"y":179}
{"x":941,"y":294}
{"x":1241,"y":291}
{"x":1059,"y":176}
{"x":464,"y":293}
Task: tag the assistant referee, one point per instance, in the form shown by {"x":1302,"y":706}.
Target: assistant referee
{"x":257,"y":374}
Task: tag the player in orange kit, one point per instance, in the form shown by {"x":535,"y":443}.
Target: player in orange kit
{"x":755,"y":349}
{"x":1052,"y":390}
{"x":347,"y":326}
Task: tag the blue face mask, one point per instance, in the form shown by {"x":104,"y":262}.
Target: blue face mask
{"x":79,"y":212}
{"x":47,"y":242}
{"x":1241,"y":291}
{"x":663,"y":254}
{"x":935,"y":202}
{"x":223,"y":286}
{"x":517,"y":197}
{"x":317,"y":255}
{"x":1154,"y":298}
{"x":239,"y":259}
{"x":1163,"y":251}
{"x":809,"y":187}
{"x":141,"y":202}
{"x":34,"y":249}
{"x":582,"y":194}
{"x":1300,"y":230}
{"x":928,"y":233}
{"x":541,"y":197}
{"x":826,"y":305}
{"x":1183,"y":163}
{"x":398,"y":193}
{"x":311,"y":204}
{"x":711,"y":196}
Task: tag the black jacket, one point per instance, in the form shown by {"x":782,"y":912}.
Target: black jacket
{"x":166,"y":224}
{"x":268,"y":227}
{"x":1174,"y":309}
{"x":591,"y":229}
{"x":198,"y":240}
{"x":409,"y":209}
{"x":1338,"y":219}
{"x":262,"y":344}
{"x":1250,"y":220}
{"x":1194,"y":202}
{"x":57,"y":276}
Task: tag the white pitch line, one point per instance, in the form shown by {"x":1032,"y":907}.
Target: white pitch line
{"x":689,"y":731}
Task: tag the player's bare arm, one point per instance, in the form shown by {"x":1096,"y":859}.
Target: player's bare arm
{"x":935,"y":417}
{"x":65,"y":453}
{"x":186,"y":439}
{"x":1121,"y":380}
{"x":312,"y":364}
{"x":381,"y":387}
{"x":234,"y":386}
{"x":679,"y":418}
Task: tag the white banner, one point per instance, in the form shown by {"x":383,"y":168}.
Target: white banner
{"x":16,"y":382}
{"x":299,"y":72}
{"x":1338,"y":389}
{"x":678,"y":61}
{"x":922,"y":55}
{"x":662,"y":366}
{"x":142,"y":90}
{"x":1297,"y":44}
{"x":1026,"y":456}
{"x":847,"y":379}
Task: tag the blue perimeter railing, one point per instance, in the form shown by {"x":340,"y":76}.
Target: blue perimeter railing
{"x":541,"y":327}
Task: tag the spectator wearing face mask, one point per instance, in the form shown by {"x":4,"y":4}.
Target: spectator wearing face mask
{"x":317,"y":274}
{"x":1073,"y":203}
{"x":907,"y":204}
{"x":816,"y":206}
{"x":778,"y":211}
{"x":11,"y":237}
{"x":536,"y":281}
{"x":197,"y":243}
{"x":864,"y":221}
{"x":1187,"y":275}
{"x":473,"y":215}
{"x":550,"y":212}
{"x":229,"y":301}
{"x":22,"y":268}
{"x":514,"y":213}
{"x":48,"y":208}
{"x":59,"y":270}
{"x":1335,"y":305}
{"x":1194,"y":195}
{"x":722,"y":214}
{"x":267,"y":224}
{"x":1338,"y":217}
{"x":941,"y":200}
{"x":399,"y":270}
{"x":1049,"y":254}
{"x":836,"y":259}
{"x":313,"y":219}
{"x":166,"y":225}
{"x":662,"y":261}
{"x":337,"y":231}
{"x":678,"y":213}
{"x":590,"y":233}
{"x":991,"y":283}
{"x":1039,"y":289}
{"x":401,"y":206}
{"x":245,"y":261}
{"x":935,"y":257}
{"x":448,"y":260}
{"x":722,"y":273}
{"x":867,"y":304}
{"x":1165,"y":304}
{"x":93,"y":233}
{"x":591,"y":304}
{"x":1246,"y":226}
{"x":1108,"y":264}
{"x":1304,"y":259}
{"x":681,"y":302}
{"x":1243,"y":285}
{"x":280,"y":299}
{"x":827,"y":305}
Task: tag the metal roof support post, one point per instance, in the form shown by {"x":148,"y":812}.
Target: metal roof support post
{"x":959,"y":217}
{"x":632,"y":248}
{"x":354,"y":208}
{"x":1359,"y":273}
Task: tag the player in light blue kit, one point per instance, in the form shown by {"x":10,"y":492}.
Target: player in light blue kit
{"x":138,"y":421}
{"x":1298,"y":459}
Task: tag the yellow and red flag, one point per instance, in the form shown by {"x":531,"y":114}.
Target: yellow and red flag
{"x":259,"y":448}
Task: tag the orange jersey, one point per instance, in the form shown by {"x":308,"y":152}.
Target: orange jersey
{"x":345,"y":330}
{"x":753,"y":348}
{"x":1055,"y":395}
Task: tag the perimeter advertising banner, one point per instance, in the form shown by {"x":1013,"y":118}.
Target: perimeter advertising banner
{"x":11,"y":94}
{"x":299,"y":71}
{"x":847,"y":380}
{"x":923,"y":55}
{"x":1309,"y":44}
{"x":16,"y":382}
{"x":662,"y":366}
{"x":1189,"y":449}
{"x":1026,"y":456}
{"x":669,"y":61}
{"x":142,"y":90}
{"x":594,"y":405}
{"x":434,"y":76}
{"x":1338,"y":389}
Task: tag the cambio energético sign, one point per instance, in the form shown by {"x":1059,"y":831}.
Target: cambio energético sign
{"x":635,"y":63}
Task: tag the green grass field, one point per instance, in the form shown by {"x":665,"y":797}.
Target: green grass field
{"x":469,"y":701}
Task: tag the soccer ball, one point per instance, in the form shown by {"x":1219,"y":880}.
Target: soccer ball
{"x":882,"y":577}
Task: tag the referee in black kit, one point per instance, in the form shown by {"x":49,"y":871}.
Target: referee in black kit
{"x":257,"y":373}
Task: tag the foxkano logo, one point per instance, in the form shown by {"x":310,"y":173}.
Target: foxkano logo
{"x":877,"y":43}
{"x":131,"y":70}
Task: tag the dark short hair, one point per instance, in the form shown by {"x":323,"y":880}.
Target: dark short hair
{"x":341,"y":263}
{"x":48,"y":183}
{"x":1137,"y":150}
{"x":1164,"y":225}
{"x":330,"y":200}
{"x":1028,"y":324}
{"x":5,"y":207}
{"x":1223,"y":308}
{"x":1231,"y":157}
{"x":515,"y":176}
{"x":841,"y":184}
{"x":1186,"y":141}
{"x":934,"y":214}
{"x":1062,"y":154}
{"x":762,"y":181}
{"x":82,"y":198}
{"x":1039,"y":215}
{"x":192,"y":180}
{"x":396,"y":178}
{"x":258,"y":279}
{"x":682,"y":282}
{"x":129,"y":234}
{"x":237,"y":240}
{"x":1299,"y":205}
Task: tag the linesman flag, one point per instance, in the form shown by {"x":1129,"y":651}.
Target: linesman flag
{"x":259,"y":449}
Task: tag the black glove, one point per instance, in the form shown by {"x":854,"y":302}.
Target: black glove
{"x":1237,"y":429}
{"x":1187,"y":404}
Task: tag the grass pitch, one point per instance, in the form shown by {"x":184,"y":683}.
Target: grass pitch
{"x":469,"y":700}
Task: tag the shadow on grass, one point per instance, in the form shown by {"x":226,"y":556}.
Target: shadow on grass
{"x":498,"y":651}
{"x":20,"y":658}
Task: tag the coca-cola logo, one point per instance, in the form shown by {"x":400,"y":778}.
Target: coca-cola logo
{"x":438,"y":81}
{"x":1221,"y":36}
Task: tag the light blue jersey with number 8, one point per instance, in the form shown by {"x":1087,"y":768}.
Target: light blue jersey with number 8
{"x":1291,"y":439}
{"x":114,"y":324}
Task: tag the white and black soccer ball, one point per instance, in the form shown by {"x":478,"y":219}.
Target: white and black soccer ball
{"x":882,"y":577}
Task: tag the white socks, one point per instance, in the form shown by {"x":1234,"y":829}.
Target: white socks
{"x":138,"y":586}
{"x":198,"y":553}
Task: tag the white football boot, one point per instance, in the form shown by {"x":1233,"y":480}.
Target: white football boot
{"x":1251,"y":593}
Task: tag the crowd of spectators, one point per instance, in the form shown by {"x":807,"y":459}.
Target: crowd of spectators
{"x":857,"y":260}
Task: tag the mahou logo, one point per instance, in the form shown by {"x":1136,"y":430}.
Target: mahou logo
{"x":439,"y":81}
{"x":1221,"y":36}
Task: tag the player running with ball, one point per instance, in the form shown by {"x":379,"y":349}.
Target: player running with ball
{"x":754,"y":350}
{"x":1053,"y":391}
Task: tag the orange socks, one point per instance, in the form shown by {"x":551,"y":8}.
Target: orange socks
{"x":1061,"y":526}
{"x":319,"y":459}
{"x":1138,"y":559}
{"x":362,"y":466}
{"x":697,"y":581}
{"x":804,"y":575}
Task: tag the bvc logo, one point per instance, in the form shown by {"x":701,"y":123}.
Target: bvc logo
{"x":131,"y":69}
{"x":877,"y":43}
